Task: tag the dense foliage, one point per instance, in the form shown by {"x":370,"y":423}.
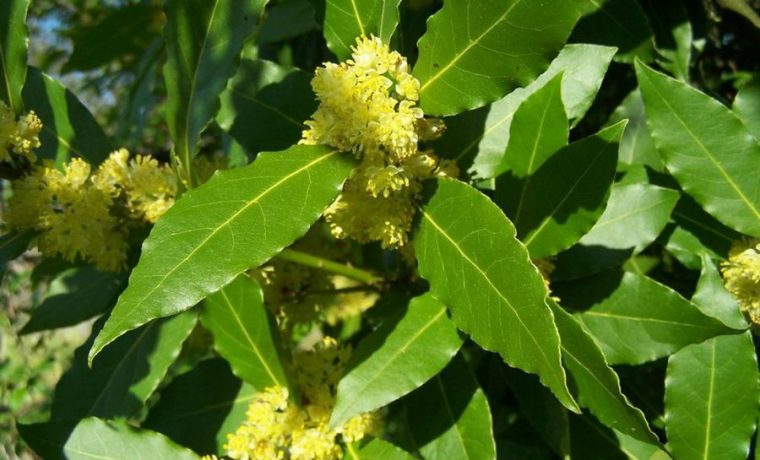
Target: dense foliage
{"x":327,"y":229}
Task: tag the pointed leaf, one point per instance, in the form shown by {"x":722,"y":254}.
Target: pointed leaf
{"x":244,"y":333}
{"x":14,"y":37}
{"x":476,"y":266}
{"x":637,"y":146}
{"x":714,"y":300}
{"x":555,"y":206}
{"x":239,"y":219}
{"x":376,"y":449}
{"x":94,"y":438}
{"x":596,"y":384}
{"x":747,"y":106}
{"x":265,"y":105}
{"x":635,"y":319}
{"x":449,"y":416}
{"x":347,"y":19}
{"x":203,"y":39}
{"x":74,"y":296}
{"x":474,"y":53}
{"x":708,"y":150}
{"x":121,"y":380}
{"x":711,"y":399}
{"x":201,"y":407}
{"x":68,"y":128}
{"x":398,"y":357}
{"x":582,"y":68}
{"x":539,"y":128}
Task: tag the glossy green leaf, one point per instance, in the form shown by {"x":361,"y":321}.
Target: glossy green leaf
{"x":74,"y":296}
{"x":347,"y":19}
{"x":712,"y":398}
{"x":69,"y":129}
{"x":637,"y":146}
{"x":204,"y":39}
{"x":539,"y":128}
{"x":597,"y":386}
{"x":123,"y":377}
{"x":562,"y":200}
{"x":635,"y":319}
{"x":708,"y":150}
{"x":493,"y":291}
{"x":401,"y":355}
{"x":619,"y":23}
{"x":199,"y":408}
{"x":747,"y":106}
{"x":14,"y":37}
{"x":714,"y":300}
{"x":12,"y":245}
{"x":239,"y":219}
{"x":449,"y":416}
{"x":244,"y":332}
{"x":474,"y":53}
{"x":635,"y":215}
{"x":582,"y":68}
{"x":94,"y":438}
{"x":265,"y":105}
{"x":376,"y":449}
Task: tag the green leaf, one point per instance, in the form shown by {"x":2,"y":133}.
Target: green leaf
{"x":635,"y":215}
{"x":635,"y":319}
{"x":637,"y":146}
{"x":714,"y":300}
{"x":264,"y":106}
{"x":74,"y":296}
{"x":347,"y":19}
{"x":597,"y":386}
{"x":12,"y":245}
{"x":287,"y":19}
{"x":476,"y":267}
{"x":618,"y":23}
{"x":203,"y":44}
{"x":747,"y":106}
{"x":401,"y":355}
{"x":376,"y":449}
{"x":474,"y":53}
{"x":248,"y":215}
{"x":708,"y":150}
{"x":582,"y":68}
{"x":199,"y":408}
{"x":593,"y":441}
{"x":95,"y":438}
{"x":539,"y":128}
{"x":125,"y":31}
{"x":69,"y":129}
{"x":14,"y":37}
{"x":122,"y":378}
{"x":673,"y":35}
{"x":711,"y":399}
{"x":449,"y":416}
{"x":244,"y":333}
{"x":562,"y":200}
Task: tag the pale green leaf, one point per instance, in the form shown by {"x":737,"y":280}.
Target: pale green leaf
{"x":347,"y":19}
{"x":402,"y":354}
{"x":635,"y":319}
{"x":706,"y":148}
{"x":239,"y":219}
{"x":244,"y":332}
{"x":637,"y":146}
{"x":747,"y":106}
{"x":714,"y":300}
{"x":474,"y":53}
{"x":711,"y":399}
{"x":14,"y":37}
{"x":466,"y":249}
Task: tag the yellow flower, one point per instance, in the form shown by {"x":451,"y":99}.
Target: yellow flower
{"x":368,"y":107}
{"x":18,"y":137}
{"x":741,"y":275}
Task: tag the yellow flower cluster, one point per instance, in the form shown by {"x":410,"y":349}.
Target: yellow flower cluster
{"x":83,"y":215}
{"x":741,"y":275}
{"x":276,"y":428}
{"x":368,"y":106}
{"x":18,"y":138}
